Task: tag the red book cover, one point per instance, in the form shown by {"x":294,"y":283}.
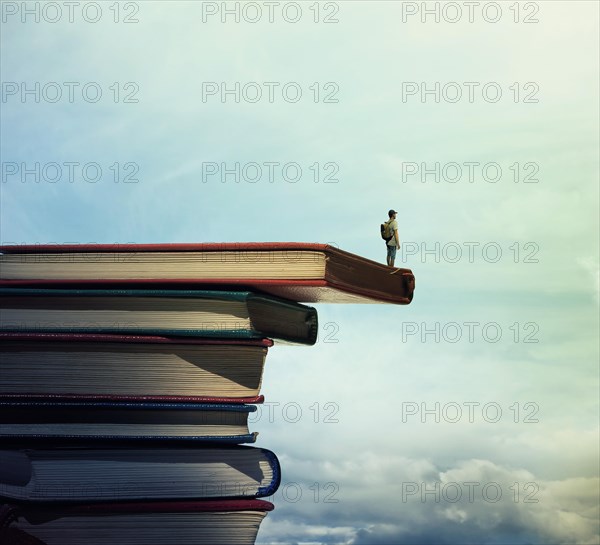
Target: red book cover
{"x":114,"y":338}
{"x":166,"y":507}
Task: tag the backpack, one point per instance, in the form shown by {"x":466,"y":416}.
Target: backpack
{"x":385,"y":231}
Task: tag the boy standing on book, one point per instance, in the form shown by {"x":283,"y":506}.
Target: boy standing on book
{"x":393,"y":243}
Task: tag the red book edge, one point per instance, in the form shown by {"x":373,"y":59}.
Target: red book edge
{"x":163,"y":247}
{"x":115,"y":338}
{"x":142,"y":507}
{"x":178,"y":506}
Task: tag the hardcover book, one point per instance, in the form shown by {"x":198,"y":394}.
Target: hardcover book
{"x":196,"y":313}
{"x":105,"y":367}
{"x":107,"y":422}
{"x":88,"y":474}
{"x":298,"y":271}
{"x":208,"y":522}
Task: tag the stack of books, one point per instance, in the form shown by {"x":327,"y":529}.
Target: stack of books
{"x":127,"y":374}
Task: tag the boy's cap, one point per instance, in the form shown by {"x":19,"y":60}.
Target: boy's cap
{"x":392,"y":212}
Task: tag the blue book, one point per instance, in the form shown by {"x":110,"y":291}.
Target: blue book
{"x":197,"y":313}
{"x":136,"y":473}
{"x":52,"y":422}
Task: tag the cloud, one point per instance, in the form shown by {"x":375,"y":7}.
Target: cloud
{"x":402,"y":501}
{"x":590,"y":265}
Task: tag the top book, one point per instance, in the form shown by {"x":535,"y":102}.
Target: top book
{"x":302,"y":272}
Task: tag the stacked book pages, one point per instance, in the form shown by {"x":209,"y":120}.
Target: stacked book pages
{"x":127,"y":374}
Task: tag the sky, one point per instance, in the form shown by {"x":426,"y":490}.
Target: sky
{"x":469,"y":416}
